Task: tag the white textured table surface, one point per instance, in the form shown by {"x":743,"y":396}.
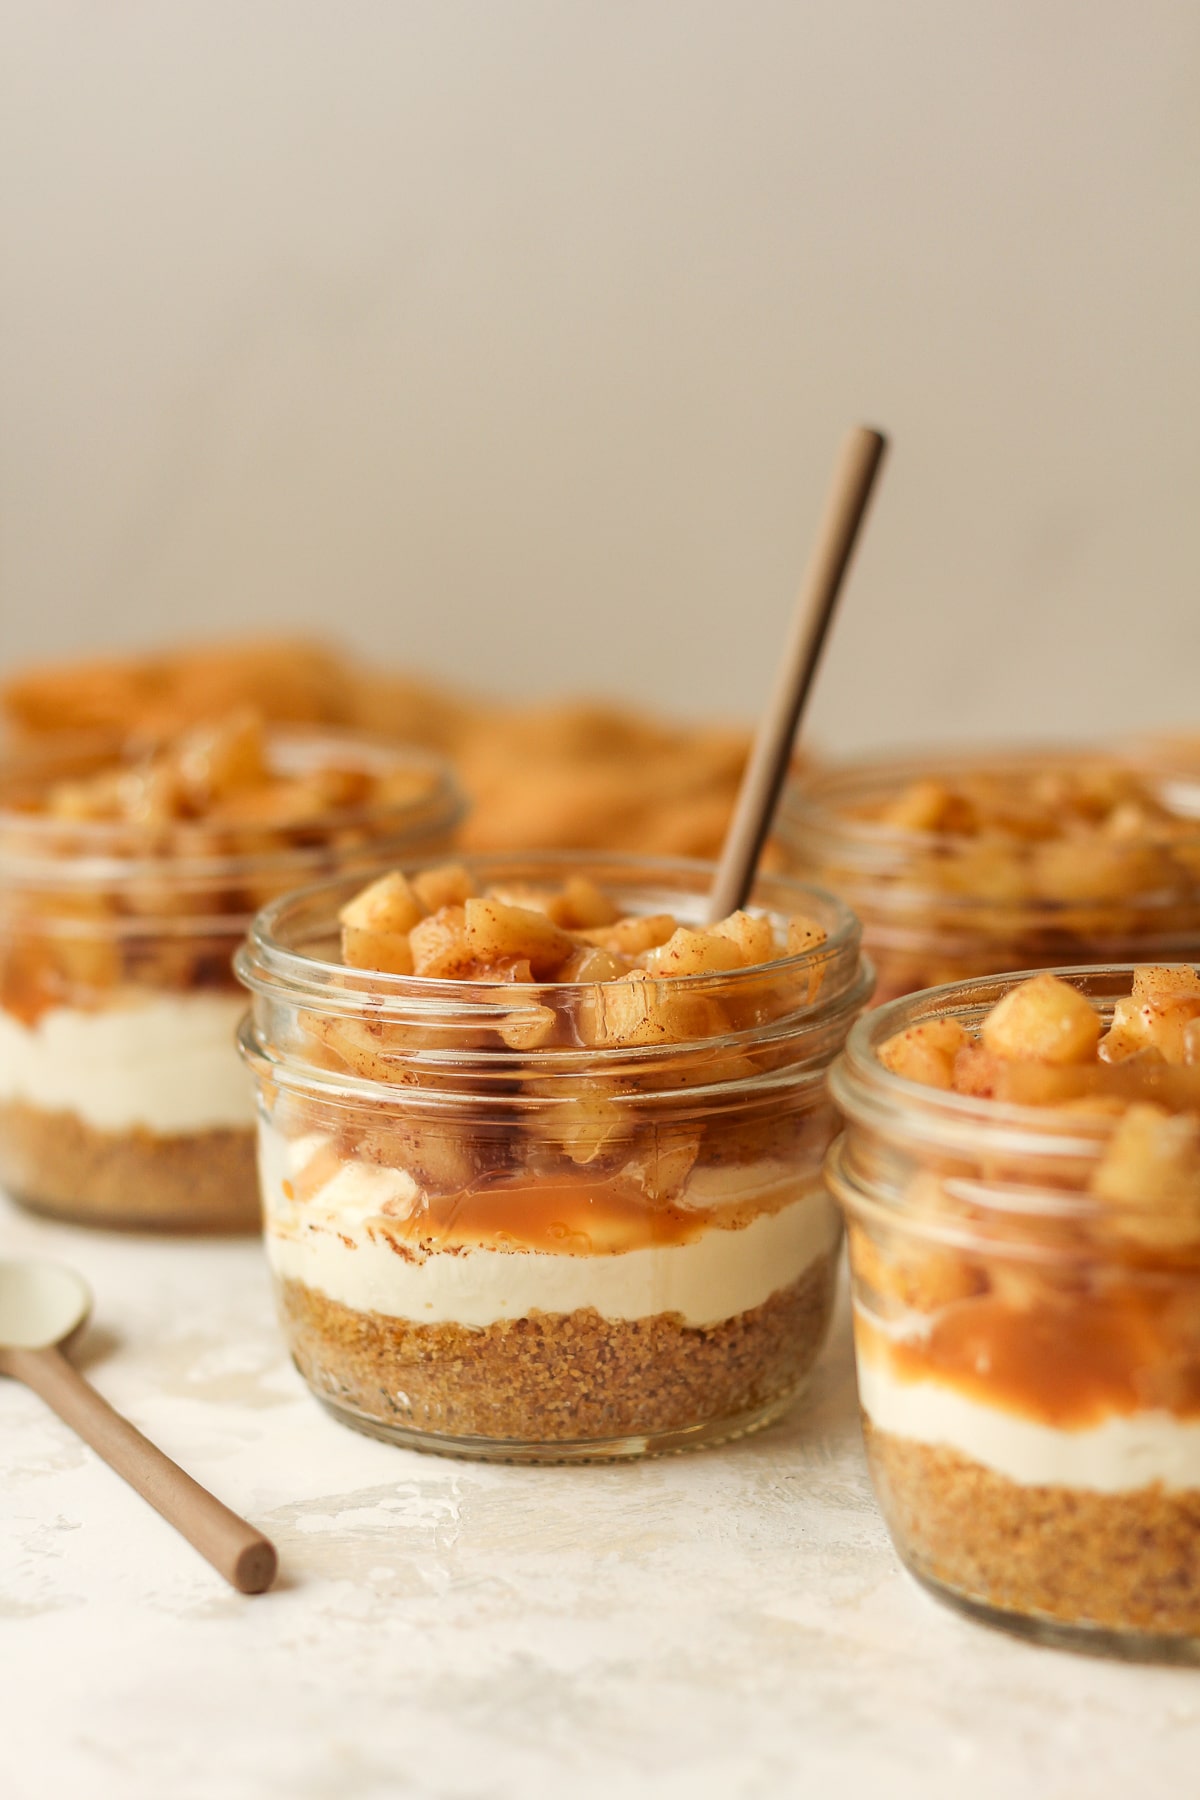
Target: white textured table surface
{"x":729,"y":1624}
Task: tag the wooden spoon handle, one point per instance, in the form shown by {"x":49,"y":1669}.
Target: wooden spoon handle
{"x":853,"y":478}
{"x":242,"y":1555}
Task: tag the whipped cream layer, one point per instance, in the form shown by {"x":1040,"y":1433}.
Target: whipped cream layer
{"x":1123,"y":1454}
{"x":164,"y":1063}
{"x":340,"y":1244}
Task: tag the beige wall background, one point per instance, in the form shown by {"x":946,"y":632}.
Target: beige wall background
{"x":512,"y":341}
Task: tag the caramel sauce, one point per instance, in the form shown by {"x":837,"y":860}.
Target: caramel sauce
{"x":1063,"y":1362}
{"x":25,"y":993}
{"x":29,"y":989}
{"x":580,"y":1218}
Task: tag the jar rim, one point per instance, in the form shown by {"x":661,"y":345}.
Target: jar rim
{"x":871,"y":1095}
{"x":813,"y":804}
{"x":806,"y":1031}
{"x":295,"y":751}
{"x":275,"y":964}
{"x":1016,"y":1176}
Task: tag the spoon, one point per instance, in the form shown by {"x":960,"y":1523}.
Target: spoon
{"x":43,"y":1306}
{"x":845,"y":509}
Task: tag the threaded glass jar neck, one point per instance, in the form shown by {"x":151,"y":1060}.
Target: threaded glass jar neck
{"x":945,"y":903}
{"x":720,"y":1031}
{"x":1004,"y":1170}
{"x":832,"y":815}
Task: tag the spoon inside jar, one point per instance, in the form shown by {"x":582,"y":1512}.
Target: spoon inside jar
{"x":43,"y":1306}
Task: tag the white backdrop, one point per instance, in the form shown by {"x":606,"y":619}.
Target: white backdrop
{"x":513,"y":339}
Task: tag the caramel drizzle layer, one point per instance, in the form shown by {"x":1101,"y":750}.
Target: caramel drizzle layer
{"x":1067,"y":1362}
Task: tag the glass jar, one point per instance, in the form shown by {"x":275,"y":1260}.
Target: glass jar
{"x":122,"y":1098}
{"x":513,"y":1222}
{"x":1028,"y":1355}
{"x":944,"y":903}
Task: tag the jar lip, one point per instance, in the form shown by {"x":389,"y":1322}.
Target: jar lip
{"x":871,"y":1095}
{"x":294,"y":750}
{"x":268,"y":966}
{"x":813,"y":804}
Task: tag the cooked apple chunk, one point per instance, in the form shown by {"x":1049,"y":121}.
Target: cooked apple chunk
{"x":1045,"y":1019}
{"x":925,"y":1052}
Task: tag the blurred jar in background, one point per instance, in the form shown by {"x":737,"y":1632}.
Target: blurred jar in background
{"x":961,"y":865}
{"x":127,"y":880}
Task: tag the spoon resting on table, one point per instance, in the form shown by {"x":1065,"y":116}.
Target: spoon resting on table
{"x":43,"y":1306}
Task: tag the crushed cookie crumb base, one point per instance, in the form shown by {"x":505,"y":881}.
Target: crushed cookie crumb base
{"x":560,"y":1386}
{"x":1053,"y":1562}
{"x":56,"y":1164}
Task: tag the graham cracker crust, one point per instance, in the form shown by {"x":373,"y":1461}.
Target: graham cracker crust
{"x":1127,"y":1562}
{"x":54,"y":1163}
{"x":557,"y":1378}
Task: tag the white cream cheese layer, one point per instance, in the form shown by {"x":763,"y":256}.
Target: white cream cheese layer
{"x":341,"y":1246}
{"x":1123,"y":1454}
{"x":165,"y":1063}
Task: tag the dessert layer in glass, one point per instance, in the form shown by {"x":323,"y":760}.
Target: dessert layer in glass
{"x":512,"y":1128}
{"x":1022,"y":1176}
{"x":127,"y":875}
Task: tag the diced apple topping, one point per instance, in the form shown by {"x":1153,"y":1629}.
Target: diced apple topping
{"x":925,"y":1052}
{"x":516,"y":933}
{"x":623,"y":981}
{"x":220,"y":775}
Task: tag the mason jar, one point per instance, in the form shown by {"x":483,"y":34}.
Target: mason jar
{"x":123,"y":1101}
{"x":1028,"y":1354}
{"x":560,"y":1220}
{"x":946,"y":890}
